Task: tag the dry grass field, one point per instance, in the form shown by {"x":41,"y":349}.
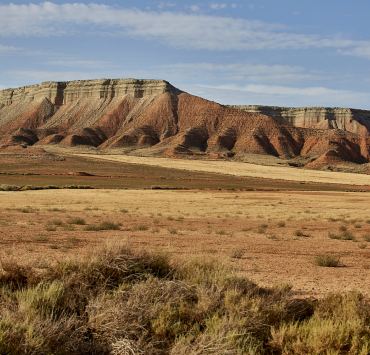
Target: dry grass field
{"x":243,"y":169}
{"x":272,"y":238}
{"x":59,"y":167}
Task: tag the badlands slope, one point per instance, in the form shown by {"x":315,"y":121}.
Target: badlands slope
{"x":153,"y":114}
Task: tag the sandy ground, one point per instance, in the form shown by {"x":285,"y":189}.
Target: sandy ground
{"x":243,"y":169}
{"x":270,"y":237}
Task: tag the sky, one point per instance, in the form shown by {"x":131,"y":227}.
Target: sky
{"x":266,"y":52}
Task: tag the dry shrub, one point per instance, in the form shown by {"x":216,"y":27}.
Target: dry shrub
{"x":119,"y":302}
{"x":103,"y":226}
{"x":6,"y":187}
{"x":339,"y":325}
{"x":237,"y":253}
{"x":150,"y":314}
{"x":77,"y":220}
{"x":344,"y":235}
{"x":15,"y":276}
{"x":327,"y":260}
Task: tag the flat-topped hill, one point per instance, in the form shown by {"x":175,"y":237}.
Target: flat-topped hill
{"x":153,"y":114}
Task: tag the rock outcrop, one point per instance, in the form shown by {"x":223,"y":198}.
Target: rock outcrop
{"x":154,"y":114}
{"x":60,"y":93}
{"x":347,"y":119}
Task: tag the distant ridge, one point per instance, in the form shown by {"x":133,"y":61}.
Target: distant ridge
{"x":348,"y":119}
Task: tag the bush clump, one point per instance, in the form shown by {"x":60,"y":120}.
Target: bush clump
{"x":327,"y":260}
{"x":103,"y":226}
{"x":116,"y":301}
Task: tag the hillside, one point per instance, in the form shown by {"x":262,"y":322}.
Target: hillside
{"x":152,"y":113}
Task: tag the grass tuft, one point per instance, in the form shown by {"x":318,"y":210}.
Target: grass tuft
{"x":77,"y":220}
{"x":327,"y":260}
{"x":103,"y":226}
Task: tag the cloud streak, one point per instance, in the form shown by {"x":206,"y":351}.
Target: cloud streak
{"x":8,"y":49}
{"x":193,"y":31}
{"x":242,"y":72}
{"x":285,"y":95}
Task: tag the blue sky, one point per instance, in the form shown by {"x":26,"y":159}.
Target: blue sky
{"x":271,"y":52}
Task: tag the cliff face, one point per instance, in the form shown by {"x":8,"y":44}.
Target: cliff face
{"x":153,"y":114}
{"x":347,"y":119}
{"x":60,"y":93}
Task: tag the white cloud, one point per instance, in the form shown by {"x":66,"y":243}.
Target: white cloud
{"x":360,"y":51}
{"x":176,"y":29}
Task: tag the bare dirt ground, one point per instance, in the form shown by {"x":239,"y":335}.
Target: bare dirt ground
{"x":272,"y":237}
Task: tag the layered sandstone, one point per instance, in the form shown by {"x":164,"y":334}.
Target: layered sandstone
{"x":65,"y":92}
{"x":153,"y":114}
{"x":347,"y":119}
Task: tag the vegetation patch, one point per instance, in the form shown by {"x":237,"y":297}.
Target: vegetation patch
{"x":120,"y":302}
{"x":6,"y":187}
{"x":77,"y":220}
{"x":328,"y":260}
{"x":344,"y":235}
{"x":103,"y":226}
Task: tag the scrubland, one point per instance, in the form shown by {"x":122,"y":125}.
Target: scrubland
{"x":115,"y":301}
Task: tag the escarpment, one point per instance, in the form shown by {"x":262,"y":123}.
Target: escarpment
{"x":347,"y":119}
{"x":153,"y":114}
{"x":60,"y":93}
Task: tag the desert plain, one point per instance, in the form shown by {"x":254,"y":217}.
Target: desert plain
{"x":269,"y":230}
